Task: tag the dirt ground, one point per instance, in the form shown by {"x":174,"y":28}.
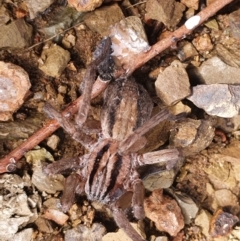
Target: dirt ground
{"x":205,"y":183}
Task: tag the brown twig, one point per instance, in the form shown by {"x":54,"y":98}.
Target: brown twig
{"x":8,"y":163}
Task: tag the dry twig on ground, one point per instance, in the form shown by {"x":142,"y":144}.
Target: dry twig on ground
{"x":8,"y":163}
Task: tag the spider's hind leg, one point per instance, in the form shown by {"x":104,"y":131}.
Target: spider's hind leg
{"x":138,"y":199}
{"x":123,"y":223}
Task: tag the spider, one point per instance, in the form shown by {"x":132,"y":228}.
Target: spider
{"x":108,"y":173}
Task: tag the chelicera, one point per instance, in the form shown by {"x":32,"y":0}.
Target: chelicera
{"x":108,"y":173}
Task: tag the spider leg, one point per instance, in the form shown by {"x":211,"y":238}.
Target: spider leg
{"x":137,"y":199}
{"x":102,"y":51}
{"x":64,"y":165}
{"x":123,"y":223}
{"x":73,"y":184}
{"x":76,"y":134}
{"x":168,"y":156}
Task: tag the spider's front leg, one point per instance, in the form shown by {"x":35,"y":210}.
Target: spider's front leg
{"x":101,"y":57}
{"x":123,"y":223}
{"x":67,"y":125}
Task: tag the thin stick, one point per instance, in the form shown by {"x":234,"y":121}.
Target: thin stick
{"x":8,"y":163}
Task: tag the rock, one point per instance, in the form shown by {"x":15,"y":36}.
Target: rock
{"x":172,"y":85}
{"x":101,"y":19}
{"x":14,"y":84}
{"x":236,"y":233}
{"x":85,"y":6}
{"x":229,"y":54}
{"x":217,"y":99}
{"x":61,"y":20}
{"x":54,"y":60}
{"x":24,"y":235}
{"x":191,"y":4}
{"x":121,"y":235}
{"x":164,"y":212}
{"x":203,"y":220}
{"x":186,"y":51}
{"x":179,"y":108}
{"x":222,"y":223}
{"x":37,"y":6}
{"x":215,"y":71}
{"x":9,"y":227}
{"x":81,"y":232}
{"x":53,"y":141}
{"x":226,"y":198}
{"x":220,"y":173}
{"x":20,"y":129}
{"x":56,"y":216}
{"x":159,"y":179}
{"x":44,"y":225}
{"x":162,"y":238}
{"x":234,"y":22}
{"x":128,"y":39}
{"x":187,"y":205}
{"x":167,"y":12}
{"x":203,"y":43}
{"x":212,"y":24}
{"x":191,"y":136}
{"x":17,"y":34}
{"x":44,"y":183}
{"x":4,"y":16}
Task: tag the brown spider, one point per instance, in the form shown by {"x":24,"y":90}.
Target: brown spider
{"x":108,"y":173}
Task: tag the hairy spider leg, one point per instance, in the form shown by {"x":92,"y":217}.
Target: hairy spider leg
{"x":101,"y":52}
{"x":65,"y":123}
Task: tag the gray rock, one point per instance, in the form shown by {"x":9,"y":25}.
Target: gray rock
{"x":17,"y":34}
{"x":172,"y":85}
{"x":14,"y":84}
{"x":217,"y":99}
{"x":37,"y":6}
{"x":215,"y":71}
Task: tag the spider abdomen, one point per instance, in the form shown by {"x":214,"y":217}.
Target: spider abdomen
{"x":108,"y":172}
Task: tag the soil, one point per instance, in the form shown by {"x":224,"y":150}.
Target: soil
{"x":202,"y":174}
